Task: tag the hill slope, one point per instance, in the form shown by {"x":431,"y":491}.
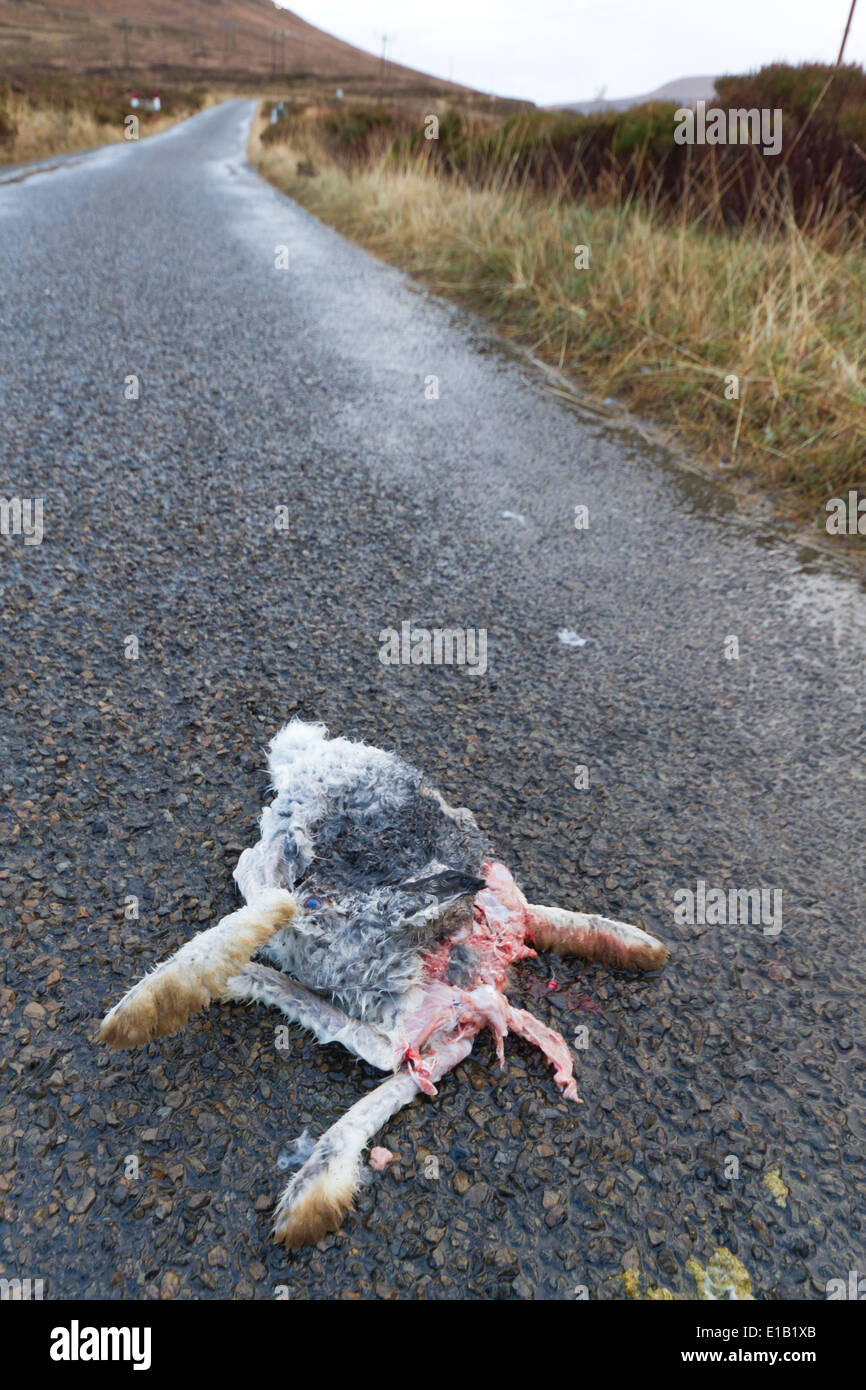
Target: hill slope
{"x":233,"y":37}
{"x":683,"y":90}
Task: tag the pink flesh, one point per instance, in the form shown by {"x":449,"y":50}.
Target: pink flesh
{"x":496,"y":933}
{"x":380,"y":1158}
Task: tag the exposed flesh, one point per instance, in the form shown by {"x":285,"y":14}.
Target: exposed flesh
{"x":489,"y":941}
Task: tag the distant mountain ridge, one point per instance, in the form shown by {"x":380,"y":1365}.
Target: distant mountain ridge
{"x":685,"y":91}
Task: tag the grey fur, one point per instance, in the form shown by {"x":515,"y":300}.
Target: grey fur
{"x":365,"y":834}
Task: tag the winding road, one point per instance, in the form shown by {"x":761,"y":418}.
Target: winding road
{"x":248,"y":474}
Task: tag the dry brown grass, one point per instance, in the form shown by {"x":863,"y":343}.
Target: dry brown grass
{"x":45,"y":130}
{"x":662,"y":316}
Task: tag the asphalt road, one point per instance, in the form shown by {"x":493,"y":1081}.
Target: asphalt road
{"x":304,"y":388}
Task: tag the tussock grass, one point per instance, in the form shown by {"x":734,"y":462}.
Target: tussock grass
{"x":666,"y":311}
{"x":45,"y":131}
{"x":39,"y":123}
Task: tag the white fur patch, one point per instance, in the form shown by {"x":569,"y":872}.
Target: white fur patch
{"x":309,"y":771}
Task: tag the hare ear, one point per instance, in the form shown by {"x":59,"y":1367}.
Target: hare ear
{"x":594,"y":938}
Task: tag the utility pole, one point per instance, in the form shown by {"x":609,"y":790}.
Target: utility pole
{"x":278,"y":50}
{"x":382,"y":69}
{"x":125,"y":27}
{"x":845,"y":35}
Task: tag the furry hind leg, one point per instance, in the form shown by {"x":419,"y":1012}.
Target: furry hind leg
{"x":324,"y":1020}
{"x":320,"y":1194}
{"x":163,"y":1000}
{"x":594,"y":938}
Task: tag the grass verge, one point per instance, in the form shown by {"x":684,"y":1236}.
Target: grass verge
{"x":40,"y":119}
{"x":662,"y":317}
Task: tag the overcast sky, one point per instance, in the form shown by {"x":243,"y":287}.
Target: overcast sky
{"x":567,"y":50}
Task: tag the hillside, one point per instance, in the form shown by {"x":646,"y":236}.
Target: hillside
{"x":683,"y":90}
{"x":209,"y":37}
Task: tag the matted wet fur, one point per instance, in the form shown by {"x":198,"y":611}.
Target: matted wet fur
{"x":390,"y":928}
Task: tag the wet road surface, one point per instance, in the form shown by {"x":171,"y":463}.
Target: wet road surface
{"x":173,"y":617}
